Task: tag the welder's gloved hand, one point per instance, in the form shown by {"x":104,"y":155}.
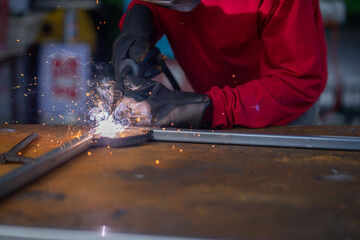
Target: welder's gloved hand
{"x":135,"y":37}
{"x":168,"y":108}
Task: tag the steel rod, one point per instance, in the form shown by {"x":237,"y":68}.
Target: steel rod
{"x":251,"y":139}
{"x":34,"y":169}
{"x":21,"y":145}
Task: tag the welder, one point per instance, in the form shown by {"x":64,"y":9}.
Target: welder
{"x":252,"y":63}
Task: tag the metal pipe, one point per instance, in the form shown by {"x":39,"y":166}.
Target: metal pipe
{"x":21,"y":145}
{"x":251,"y":139}
{"x":34,"y":169}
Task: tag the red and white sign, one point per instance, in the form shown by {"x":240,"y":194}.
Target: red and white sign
{"x":65,"y":77}
{"x":62,"y":83}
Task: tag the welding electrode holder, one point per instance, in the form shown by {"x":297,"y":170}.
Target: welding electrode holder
{"x":150,"y":67}
{"x":135,"y":42}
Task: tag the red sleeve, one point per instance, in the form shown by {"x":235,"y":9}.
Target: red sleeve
{"x":293,"y":69}
{"x":159,"y":32}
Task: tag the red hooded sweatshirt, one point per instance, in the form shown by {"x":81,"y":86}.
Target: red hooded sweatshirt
{"x":262,"y":62}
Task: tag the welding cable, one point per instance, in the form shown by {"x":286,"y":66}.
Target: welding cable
{"x":170,"y":76}
{"x":338,"y":91}
{"x":335,"y":64}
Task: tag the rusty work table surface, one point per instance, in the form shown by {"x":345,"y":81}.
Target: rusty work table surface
{"x":192,"y":190}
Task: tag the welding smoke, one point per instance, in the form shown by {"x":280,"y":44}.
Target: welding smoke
{"x":112,"y":112}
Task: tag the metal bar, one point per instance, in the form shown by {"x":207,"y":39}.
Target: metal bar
{"x":21,"y":145}
{"x":250,"y":139}
{"x":30,"y":233}
{"x":32,"y":170}
{"x":10,"y":158}
{"x":130,"y":137}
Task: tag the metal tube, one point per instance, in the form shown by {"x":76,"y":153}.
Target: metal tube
{"x":21,"y":145}
{"x":10,"y":158}
{"x":32,"y":170}
{"x":250,"y":139}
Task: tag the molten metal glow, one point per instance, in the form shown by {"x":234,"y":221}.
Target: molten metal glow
{"x":109,"y":128}
{"x":113,"y":113}
{"x":102,"y":114}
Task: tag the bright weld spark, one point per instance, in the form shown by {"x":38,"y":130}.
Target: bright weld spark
{"x":103,"y":231}
{"x":109,"y":128}
{"x":112,"y":115}
{"x":103,"y":113}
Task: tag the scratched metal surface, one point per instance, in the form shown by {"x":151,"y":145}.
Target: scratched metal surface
{"x":192,"y":190}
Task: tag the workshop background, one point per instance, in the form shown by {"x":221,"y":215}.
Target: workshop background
{"x":53,"y":52}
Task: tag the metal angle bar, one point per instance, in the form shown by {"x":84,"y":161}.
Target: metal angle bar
{"x":252,"y":139}
{"x":34,"y":169}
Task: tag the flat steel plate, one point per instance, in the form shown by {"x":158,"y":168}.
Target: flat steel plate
{"x":129,"y":136}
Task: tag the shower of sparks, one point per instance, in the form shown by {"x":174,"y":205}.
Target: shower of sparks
{"x":113,"y":113}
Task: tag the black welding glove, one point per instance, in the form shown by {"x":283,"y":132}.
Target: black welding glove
{"x":134,"y":39}
{"x":168,"y":108}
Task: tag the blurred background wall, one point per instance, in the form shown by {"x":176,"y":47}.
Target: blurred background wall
{"x":52,"y":51}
